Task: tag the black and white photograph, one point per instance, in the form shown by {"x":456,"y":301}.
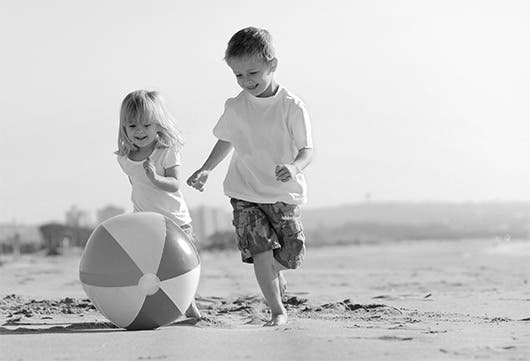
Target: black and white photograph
{"x":279,"y":180}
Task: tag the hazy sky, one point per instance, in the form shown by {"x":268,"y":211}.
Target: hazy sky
{"x":409,"y":100}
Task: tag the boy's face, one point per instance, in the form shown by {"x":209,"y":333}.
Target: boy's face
{"x":254,"y":75}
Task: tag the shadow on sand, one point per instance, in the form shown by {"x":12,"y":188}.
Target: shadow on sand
{"x":79,"y":327}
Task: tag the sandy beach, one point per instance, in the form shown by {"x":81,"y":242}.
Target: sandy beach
{"x":394,"y":301}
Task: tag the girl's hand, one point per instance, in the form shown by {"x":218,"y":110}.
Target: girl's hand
{"x":198,"y":179}
{"x":149,"y":168}
{"x":285,"y":172}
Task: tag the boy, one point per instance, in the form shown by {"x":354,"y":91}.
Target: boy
{"x":268,"y":128}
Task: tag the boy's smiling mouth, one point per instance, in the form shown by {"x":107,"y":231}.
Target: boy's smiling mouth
{"x":252,"y":87}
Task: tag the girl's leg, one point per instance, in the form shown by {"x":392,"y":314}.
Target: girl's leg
{"x":269,"y":284}
{"x":193,"y":311}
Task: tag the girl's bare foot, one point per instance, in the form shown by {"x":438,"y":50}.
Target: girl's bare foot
{"x":193,"y":311}
{"x":277,"y":320}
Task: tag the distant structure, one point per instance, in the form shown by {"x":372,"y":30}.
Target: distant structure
{"x":19,"y":238}
{"x":107,"y":212}
{"x":206,"y":221}
{"x":77,"y":222}
{"x":76,"y":217}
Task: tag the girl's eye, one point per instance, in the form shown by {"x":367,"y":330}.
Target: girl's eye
{"x":253,"y":73}
{"x":147,"y":125}
{"x":132,"y":126}
{"x":238,"y":75}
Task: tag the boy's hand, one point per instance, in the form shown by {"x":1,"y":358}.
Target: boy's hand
{"x":198,"y":179}
{"x":286,"y":172}
{"x":149,"y":168}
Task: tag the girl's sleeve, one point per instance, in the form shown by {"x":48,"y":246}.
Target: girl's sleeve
{"x":171,"y":158}
{"x":300,"y":126}
{"x":121,"y":161}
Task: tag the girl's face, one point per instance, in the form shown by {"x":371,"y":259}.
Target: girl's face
{"x":254,"y":75}
{"x":141,"y":134}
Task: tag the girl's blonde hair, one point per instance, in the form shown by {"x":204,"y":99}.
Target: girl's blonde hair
{"x":140,"y":106}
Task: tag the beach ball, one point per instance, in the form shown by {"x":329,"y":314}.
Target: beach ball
{"x":140,"y":270}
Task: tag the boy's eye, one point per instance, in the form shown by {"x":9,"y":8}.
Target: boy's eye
{"x":238,"y":75}
{"x":253,"y":72}
{"x":147,"y":125}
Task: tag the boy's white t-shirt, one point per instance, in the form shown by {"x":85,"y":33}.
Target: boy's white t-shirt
{"x":265,"y":132}
{"x":145,"y":196}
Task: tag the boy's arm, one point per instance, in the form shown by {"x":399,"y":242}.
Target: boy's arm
{"x":218,"y":153}
{"x":303,"y":158}
{"x":286,"y":172}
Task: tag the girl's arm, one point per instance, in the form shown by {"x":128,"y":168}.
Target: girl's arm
{"x":218,"y":153}
{"x":169,"y":182}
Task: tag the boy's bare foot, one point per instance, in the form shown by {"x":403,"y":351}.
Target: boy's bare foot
{"x":193,"y":311}
{"x":277,"y":320}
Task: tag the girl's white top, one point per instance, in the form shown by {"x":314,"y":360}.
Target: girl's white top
{"x":265,"y":132}
{"x":145,"y":196}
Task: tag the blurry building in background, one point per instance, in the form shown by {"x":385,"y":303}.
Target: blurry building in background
{"x":107,"y":212}
{"x":19,"y":238}
{"x":76,"y":217}
{"x":76,"y":229}
{"x":207,"y":221}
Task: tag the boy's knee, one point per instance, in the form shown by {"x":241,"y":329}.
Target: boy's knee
{"x":263,"y":257}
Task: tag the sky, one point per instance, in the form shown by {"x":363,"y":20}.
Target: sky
{"x":409,"y":100}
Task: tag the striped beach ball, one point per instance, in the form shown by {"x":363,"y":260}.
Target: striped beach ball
{"x":140,"y":270}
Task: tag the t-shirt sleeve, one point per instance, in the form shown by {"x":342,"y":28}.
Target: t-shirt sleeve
{"x":121,"y":161}
{"x":171,"y":158}
{"x":223,"y":128}
{"x":300,"y":126}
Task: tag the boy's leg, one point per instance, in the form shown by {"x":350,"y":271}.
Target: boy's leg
{"x":269,"y":284}
{"x":285,"y":219}
{"x":256,"y":239}
{"x":278,"y":268}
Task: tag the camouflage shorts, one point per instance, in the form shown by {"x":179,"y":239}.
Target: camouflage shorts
{"x":263,"y":227}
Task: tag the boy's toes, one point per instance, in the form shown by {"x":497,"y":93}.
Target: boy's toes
{"x":277,"y":320}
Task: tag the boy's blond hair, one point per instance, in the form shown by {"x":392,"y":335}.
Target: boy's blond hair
{"x":250,"y":42}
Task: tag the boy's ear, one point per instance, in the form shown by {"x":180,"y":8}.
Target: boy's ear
{"x":273,"y":63}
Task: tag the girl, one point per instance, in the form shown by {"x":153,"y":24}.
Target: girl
{"x":148,"y":153}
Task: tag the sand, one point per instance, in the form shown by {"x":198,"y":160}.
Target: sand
{"x":421,"y":300}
